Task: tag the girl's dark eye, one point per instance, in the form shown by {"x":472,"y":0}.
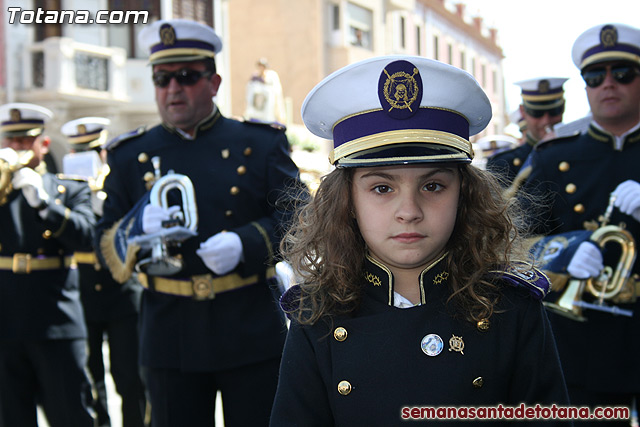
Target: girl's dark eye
{"x":382,"y":189}
{"x":432,"y":186}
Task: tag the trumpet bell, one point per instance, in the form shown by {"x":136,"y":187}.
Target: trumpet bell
{"x":569,"y":303}
{"x":167,"y":266}
{"x":10,"y":162}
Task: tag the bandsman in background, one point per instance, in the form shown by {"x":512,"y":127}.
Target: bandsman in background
{"x":44,"y":219}
{"x":111,"y":309}
{"x":209,"y":318}
{"x":585,"y":181}
{"x":542,"y":107}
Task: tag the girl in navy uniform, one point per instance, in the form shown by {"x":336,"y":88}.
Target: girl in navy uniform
{"x":409,"y":295}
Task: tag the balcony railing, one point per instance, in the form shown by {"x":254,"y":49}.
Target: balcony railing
{"x":61,"y":66}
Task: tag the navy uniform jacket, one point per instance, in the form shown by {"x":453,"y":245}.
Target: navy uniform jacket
{"x":103,"y":298}
{"x":238,"y":171}
{"x":44,"y":304}
{"x":576,"y":175}
{"x":508,"y":162}
{"x":511,"y":362}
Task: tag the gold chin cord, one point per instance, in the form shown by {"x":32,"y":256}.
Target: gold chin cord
{"x":613,"y":285}
{"x":7,"y":169}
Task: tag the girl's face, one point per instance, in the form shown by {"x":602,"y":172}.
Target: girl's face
{"x":406,"y":214}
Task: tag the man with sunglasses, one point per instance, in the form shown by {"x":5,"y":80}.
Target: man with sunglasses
{"x":44,"y":219}
{"x":542,"y":107}
{"x":212,"y":325}
{"x":576,"y":176}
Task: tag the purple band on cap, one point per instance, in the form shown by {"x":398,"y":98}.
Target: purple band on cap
{"x":97,"y":132}
{"x":618,"y":47}
{"x":548,"y":92}
{"x":33,"y":121}
{"x":379,"y":121}
{"x":197,"y":44}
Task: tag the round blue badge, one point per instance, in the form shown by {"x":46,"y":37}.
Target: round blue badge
{"x":432,"y":345}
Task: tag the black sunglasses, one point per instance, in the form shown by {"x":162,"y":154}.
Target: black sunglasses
{"x":184,"y":77}
{"x":623,"y":74}
{"x":556,"y":111}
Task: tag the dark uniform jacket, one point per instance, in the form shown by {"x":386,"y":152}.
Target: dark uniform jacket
{"x":44,"y":304}
{"x":103,"y":298}
{"x":510,"y":359}
{"x":507,"y":163}
{"x":239,"y":171}
{"x":575,"y":176}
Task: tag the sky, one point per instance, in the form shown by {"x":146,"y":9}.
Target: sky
{"x":536,"y":37}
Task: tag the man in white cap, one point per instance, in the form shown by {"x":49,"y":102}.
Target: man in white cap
{"x":576,"y":176}
{"x":44,"y":219}
{"x":542,"y":107}
{"x":111,"y":309}
{"x":209,"y":319}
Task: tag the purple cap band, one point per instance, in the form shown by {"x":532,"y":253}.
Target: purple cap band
{"x":379,"y":121}
{"x":537,"y":92}
{"x":618,"y":47}
{"x":33,"y":121}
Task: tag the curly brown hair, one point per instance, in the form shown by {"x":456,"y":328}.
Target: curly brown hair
{"x":326,"y":250}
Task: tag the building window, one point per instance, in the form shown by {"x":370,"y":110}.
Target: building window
{"x":418,"y":40}
{"x":483,"y":75}
{"x":436,"y":46}
{"x":360,"y":25}
{"x":126,"y":35}
{"x":450,"y":54}
{"x":463,"y":60}
{"x":335,"y":17}
{"x":92,"y":71}
{"x":42,"y":31}
{"x":494,"y":78}
{"x":403,"y":40}
{"x":473,"y":66}
{"x":196,"y":10}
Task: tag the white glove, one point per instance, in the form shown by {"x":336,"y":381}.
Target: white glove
{"x":32,"y":187}
{"x":586,"y":262}
{"x":221,"y":253}
{"x":628,"y":198}
{"x":9,"y":155}
{"x":153,"y":216}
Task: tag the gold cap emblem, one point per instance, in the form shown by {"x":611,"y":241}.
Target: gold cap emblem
{"x":167,"y":35}
{"x":15,"y":115}
{"x":608,"y":36}
{"x":543,"y":86}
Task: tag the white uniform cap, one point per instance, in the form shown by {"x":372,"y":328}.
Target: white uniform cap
{"x":542,"y":93}
{"x":22,"y":119}
{"x":179,"y":40}
{"x":607,"y":42}
{"x":397,"y":110}
{"x":86,"y":132}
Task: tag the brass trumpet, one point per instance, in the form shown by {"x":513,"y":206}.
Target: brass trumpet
{"x":612,"y":285}
{"x":8,"y":167}
{"x":183,"y":224}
